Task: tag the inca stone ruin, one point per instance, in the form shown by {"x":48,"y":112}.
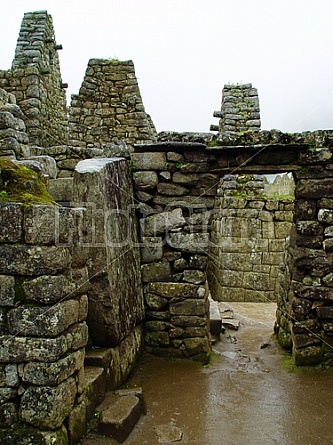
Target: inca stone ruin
{"x":113,"y":237}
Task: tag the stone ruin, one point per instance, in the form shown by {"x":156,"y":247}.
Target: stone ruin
{"x":113,"y":237}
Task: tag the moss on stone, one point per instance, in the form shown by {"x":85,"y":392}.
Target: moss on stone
{"x":19,"y":183}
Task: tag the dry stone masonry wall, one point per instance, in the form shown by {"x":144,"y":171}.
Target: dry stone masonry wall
{"x":35,"y":80}
{"x":71,"y":279}
{"x":43,"y":306}
{"x":248,"y":240}
{"x":240,"y":110}
{"x":109,"y":107}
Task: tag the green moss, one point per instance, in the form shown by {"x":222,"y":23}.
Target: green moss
{"x":212,"y":143}
{"x":21,"y":184}
{"x":179,"y":165}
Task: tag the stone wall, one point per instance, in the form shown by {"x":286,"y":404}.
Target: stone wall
{"x":240,"y":110}
{"x":248,"y":240}
{"x":305,"y":315}
{"x":35,"y":80}
{"x":109,"y":107}
{"x":43,"y":307}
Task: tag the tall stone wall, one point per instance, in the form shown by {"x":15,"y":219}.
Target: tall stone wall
{"x":43,"y":307}
{"x":248,"y":240}
{"x":35,"y":80}
{"x":109,"y":107}
{"x":305,"y":311}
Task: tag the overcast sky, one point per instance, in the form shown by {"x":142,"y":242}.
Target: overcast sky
{"x":184,"y":51}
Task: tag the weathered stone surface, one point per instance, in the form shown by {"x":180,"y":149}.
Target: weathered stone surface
{"x":167,"y":188}
{"x":61,"y":189}
{"x":325,"y":312}
{"x":158,"y":223}
{"x":309,"y":227}
{"x":196,"y":243}
{"x":8,"y":415}
{"x":155,"y":302}
{"x":36,"y":373}
{"x":43,"y":321}
{"x":149,"y":161}
{"x":151,"y":249}
{"x":311,"y":355}
{"x":7,"y":290}
{"x":47,"y":407}
{"x":194,"y":276}
{"x":325,"y":216}
{"x":23,"y":349}
{"x":49,"y":165}
{"x":33,"y":260}
{"x":189,"y":307}
{"x":314,"y":189}
{"x":77,"y":423}
{"x":48,"y":225}
{"x":11,"y":216}
{"x":145,"y":180}
{"x":157,"y":339}
{"x":47,"y":289}
{"x":176,"y":290}
{"x":109,"y":262}
{"x":157,"y":271}
{"x":33,"y":436}
{"x":119,"y":419}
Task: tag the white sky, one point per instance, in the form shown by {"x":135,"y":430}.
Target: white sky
{"x":184,"y":51}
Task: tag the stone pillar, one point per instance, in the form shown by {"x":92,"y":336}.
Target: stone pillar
{"x":110,"y":240}
{"x":305,"y":315}
{"x":177,"y":195}
{"x":43,"y":308}
{"x":239,"y":110}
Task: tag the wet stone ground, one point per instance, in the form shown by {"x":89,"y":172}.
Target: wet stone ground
{"x":248,"y":395}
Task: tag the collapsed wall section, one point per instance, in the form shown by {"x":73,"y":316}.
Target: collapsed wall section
{"x":35,"y":80}
{"x":109,"y":107}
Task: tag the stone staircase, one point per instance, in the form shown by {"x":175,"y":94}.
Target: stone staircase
{"x":113,"y":414}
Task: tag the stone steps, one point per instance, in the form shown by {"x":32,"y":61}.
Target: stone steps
{"x":215,"y":318}
{"x":119,"y":413}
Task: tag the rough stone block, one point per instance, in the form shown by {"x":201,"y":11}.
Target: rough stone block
{"x":11,"y":217}
{"x":158,"y":223}
{"x":22,"y":349}
{"x":34,"y":436}
{"x":49,"y":165}
{"x":149,"y":161}
{"x":47,"y":289}
{"x":157,"y":271}
{"x":43,"y":374}
{"x":195,"y":243}
{"x":167,"y":188}
{"x":95,"y":388}
{"x":311,"y":355}
{"x":176,"y":290}
{"x":194,"y":276}
{"x":189,"y":307}
{"x":119,"y":419}
{"x":33,"y":260}
{"x":151,"y":249}
{"x":43,"y":321}
{"x":48,"y":225}
{"x":145,"y":180}
{"x":48,"y":406}
{"x":61,"y":189}
{"x":77,"y":423}
{"x":155,"y":302}
{"x":7,"y":290}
